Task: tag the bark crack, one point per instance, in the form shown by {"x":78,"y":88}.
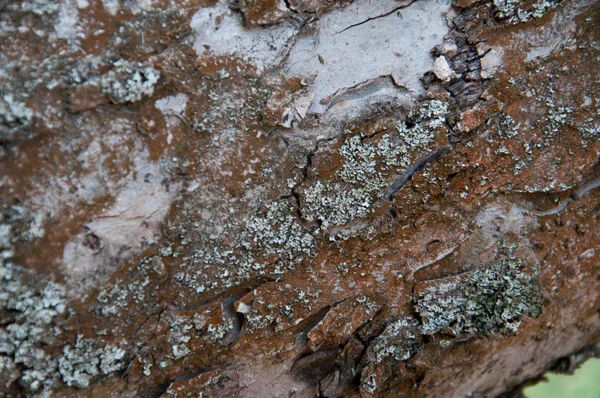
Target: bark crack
{"x":578,"y":193}
{"x":398,"y":183}
{"x":377,"y":17}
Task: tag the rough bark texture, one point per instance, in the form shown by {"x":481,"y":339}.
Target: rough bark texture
{"x":288,"y":198}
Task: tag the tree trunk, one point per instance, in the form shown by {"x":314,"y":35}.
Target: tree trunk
{"x":294,"y":198}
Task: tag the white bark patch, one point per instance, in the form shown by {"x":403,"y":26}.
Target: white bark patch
{"x":220,"y":31}
{"x":111,"y":6}
{"x":66,"y":25}
{"x":174,"y":104}
{"x":344,"y":54}
{"x":366,"y":40}
{"x":492,"y":62}
{"x":132,"y":223}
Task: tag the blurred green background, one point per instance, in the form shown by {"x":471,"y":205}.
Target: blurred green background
{"x":584,"y":383}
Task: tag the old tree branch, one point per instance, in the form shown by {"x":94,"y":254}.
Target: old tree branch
{"x":297,"y":198}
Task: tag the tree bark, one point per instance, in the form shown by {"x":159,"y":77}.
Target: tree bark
{"x":297,"y":198}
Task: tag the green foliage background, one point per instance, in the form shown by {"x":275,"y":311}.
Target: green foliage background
{"x":584,"y":383}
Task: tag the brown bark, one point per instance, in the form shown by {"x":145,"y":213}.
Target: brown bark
{"x":285,"y":198}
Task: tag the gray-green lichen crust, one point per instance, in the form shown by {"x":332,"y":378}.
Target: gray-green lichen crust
{"x":516,"y":11}
{"x":488,"y":300}
{"x":129,"y":81}
{"x":270,"y":231}
{"x":86,"y":359}
{"x":40,"y":7}
{"x":400,"y":340}
{"x":334,"y":233}
{"x":32,"y":313}
{"x":29,"y":311}
{"x":14,"y":115}
{"x":369,"y":167}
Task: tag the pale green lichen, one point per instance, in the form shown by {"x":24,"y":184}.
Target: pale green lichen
{"x":215,"y":333}
{"x":556,"y":113}
{"x":369,"y":305}
{"x":270,"y":230}
{"x":277,"y":230}
{"x":86,"y":360}
{"x":183,"y":329}
{"x":6,"y":236}
{"x":492,"y":299}
{"x":369,"y":383}
{"x":29,"y":327}
{"x":114,"y":299}
{"x":178,"y":336}
{"x":258,"y":321}
{"x":516,"y":11}
{"x":297,"y":301}
{"x":33,"y":311}
{"x":129,"y":81}
{"x":41,"y":7}
{"x":508,"y":128}
{"x":18,"y":225}
{"x":369,"y":167}
{"x":590,"y":130}
{"x":557,"y":118}
{"x":224,"y":109}
{"x":400,"y":341}
{"x":14,"y":114}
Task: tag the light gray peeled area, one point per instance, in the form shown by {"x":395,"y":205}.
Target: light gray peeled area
{"x":220,"y":31}
{"x":365,"y":41}
{"x":352,"y":59}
